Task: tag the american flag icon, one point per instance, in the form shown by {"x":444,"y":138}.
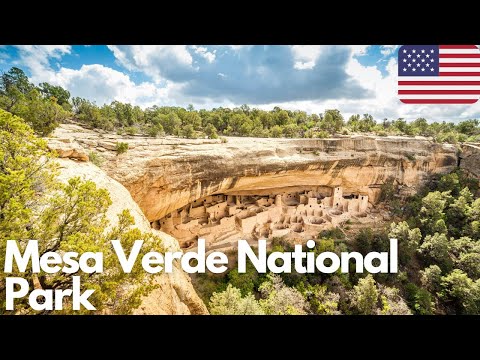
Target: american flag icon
{"x":439,"y":74}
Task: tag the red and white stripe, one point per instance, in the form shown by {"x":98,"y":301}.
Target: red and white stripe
{"x":458,"y":81}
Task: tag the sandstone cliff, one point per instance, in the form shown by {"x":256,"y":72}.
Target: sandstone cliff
{"x":165,"y":174}
{"x":470,"y":159}
{"x":176,"y":294}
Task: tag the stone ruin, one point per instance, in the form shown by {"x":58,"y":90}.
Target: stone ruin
{"x":223,"y":219}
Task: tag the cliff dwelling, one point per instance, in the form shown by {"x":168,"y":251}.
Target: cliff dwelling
{"x":223,"y":219}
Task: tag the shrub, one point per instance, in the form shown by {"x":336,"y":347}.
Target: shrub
{"x":223,"y":140}
{"x":388,"y":190}
{"x":322,"y":134}
{"x":131,"y":130}
{"x":96,"y":158}
{"x":189,"y":132}
{"x":335,"y":233}
{"x":155,"y":130}
{"x":211,"y":131}
{"x":121,"y":147}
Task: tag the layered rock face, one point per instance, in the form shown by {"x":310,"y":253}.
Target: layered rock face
{"x":175,"y":294}
{"x":470,"y":159}
{"x":163,"y":175}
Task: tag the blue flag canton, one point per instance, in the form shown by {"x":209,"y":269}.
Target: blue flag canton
{"x":418,"y":60}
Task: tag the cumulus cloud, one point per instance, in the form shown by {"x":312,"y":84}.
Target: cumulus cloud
{"x":103,"y":85}
{"x":359,"y":50}
{"x":172,"y":62}
{"x":37,"y":58}
{"x":305,"y":56}
{"x":204,"y":53}
{"x":267,"y":74}
{"x":94,"y":82}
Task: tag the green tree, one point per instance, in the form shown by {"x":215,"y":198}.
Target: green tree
{"x":353,"y":122}
{"x":392,"y":302}
{"x":281,"y":118}
{"x":430,"y":278}
{"x":279,"y":299}
{"x":420,"y":127}
{"x":365,"y":296}
{"x":461,"y":291}
{"x":435,"y":249}
{"x":408,"y":240}
{"x":189,"y":132}
{"x":57,"y":92}
{"x":63,"y":217}
{"x":211,"y":132}
{"x":14,"y":85}
{"x":432,"y":212}
{"x":322,"y":302}
{"x":457,"y":213}
{"x":172,"y":124}
{"x":25,"y":168}
{"x":332,"y":121}
{"x":43,"y":115}
{"x":230,"y":302}
{"x":245,"y":282}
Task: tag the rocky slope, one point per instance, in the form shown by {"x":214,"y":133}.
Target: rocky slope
{"x":176,"y":294}
{"x":165,"y":174}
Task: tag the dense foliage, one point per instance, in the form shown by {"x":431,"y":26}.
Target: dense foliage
{"x":62,"y":217}
{"x":45,"y":106}
{"x":439,"y":256}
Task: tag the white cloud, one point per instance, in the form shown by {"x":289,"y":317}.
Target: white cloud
{"x":388,"y":49}
{"x":94,"y":82}
{"x":103,"y":85}
{"x":305,"y":56}
{"x":156,"y":61}
{"x":37,"y":58}
{"x":203,"y":52}
{"x":359,"y":50}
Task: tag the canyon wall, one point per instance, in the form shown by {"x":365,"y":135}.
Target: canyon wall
{"x":470,"y":159}
{"x":165,"y":174}
{"x":175,"y":294}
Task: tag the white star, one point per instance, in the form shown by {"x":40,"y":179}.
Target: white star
{"x":418,"y":65}
{"x":423,"y":51}
{"x":427,"y":64}
{"x":404,"y":69}
{"x":414,"y":69}
{"x":409,"y":55}
{"x":409,"y":65}
{"x":404,"y":60}
{"x":432,"y":69}
{"x":404,"y":51}
{"x":423,"y":60}
{"x":414,"y":60}
{"x":423,"y":69}
{"x":432,"y":51}
{"x":414,"y":51}
{"x":418,"y":55}
{"x":432,"y":60}
{"x":427,"y":55}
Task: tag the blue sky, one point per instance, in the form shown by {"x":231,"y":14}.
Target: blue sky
{"x":355,"y":79}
